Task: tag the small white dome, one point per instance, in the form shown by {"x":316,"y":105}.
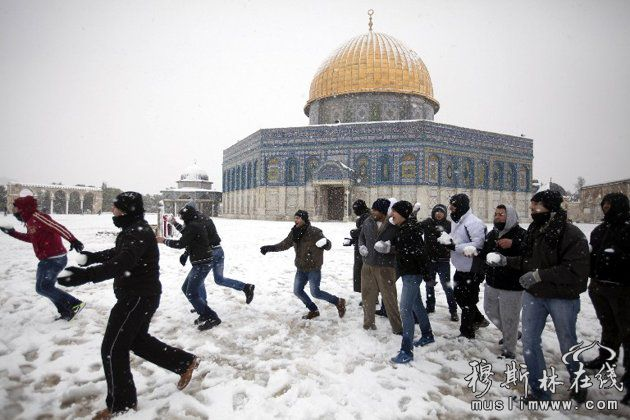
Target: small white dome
{"x":194,"y":173}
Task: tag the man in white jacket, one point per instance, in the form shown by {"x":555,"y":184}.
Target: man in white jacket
{"x":467,"y":237}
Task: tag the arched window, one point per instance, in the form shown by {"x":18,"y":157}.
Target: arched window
{"x":273,"y":170}
{"x":433,"y":168}
{"x":408,"y":167}
{"x":363,"y":169}
{"x":482,"y":175}
{"x":497,"y":176}
{"x":291,"y":175}
{"x":523,"y":178}
{"x":385,"y":169}
{"x":468,"y":173}
{"x":510,"y":177}
{"x":311,"y":166}
{"x":451,"y":171}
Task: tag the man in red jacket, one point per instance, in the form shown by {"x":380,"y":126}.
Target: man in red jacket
{"x":45,"y":234}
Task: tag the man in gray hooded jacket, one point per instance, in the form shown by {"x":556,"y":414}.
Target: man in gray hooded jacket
{"x":503,"y":293}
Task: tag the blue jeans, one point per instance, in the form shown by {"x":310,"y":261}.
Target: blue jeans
{"x":314,"y":278}
{"x":564,"y":314}
{"x":443,"y":269}
{"x":410,"y":304}
{"x":47,"y":271}
{"x":218,"y":259}
{"x":195,"y":290}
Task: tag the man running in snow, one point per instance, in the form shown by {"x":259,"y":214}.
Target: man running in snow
{"x":134,"y":265}
{"x":309,"y":244}
{"x":202,"y":243}
{"x":45,"y":234}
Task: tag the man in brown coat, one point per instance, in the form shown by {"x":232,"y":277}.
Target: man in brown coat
{"x":309,"y":244}
{"x":379,"y":266}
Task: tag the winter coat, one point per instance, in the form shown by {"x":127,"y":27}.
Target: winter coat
{"x":133,"y":262}
{"x":559,"y":251}
{"x":354,"y":233}
{"x":410,"y":251}
{"x":44,"y":233}
{"x":470,"y":231}
{"x":370,"y":234}
{"x":505,"y":278}
{"x":195,"y":238}
{"x":308,"y":257}
{"x":610,"y":242}
{"x":432,"y":229}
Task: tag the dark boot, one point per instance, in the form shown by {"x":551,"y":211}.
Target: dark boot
{"x":341,"y":307}
{"x":208,"y":323}
{"x":311,"y":315}
{"x":249,"y":293}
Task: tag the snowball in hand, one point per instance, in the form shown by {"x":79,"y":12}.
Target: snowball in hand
{"x":493,"y":258}
{"x":65,"y":273}
{"x":81,"y":259}
{"x":445,"y":239}
{"x":321,"y":243}
{"x":5,"y":225}
{"x":347,"y":242}
{"x":470,"y":251}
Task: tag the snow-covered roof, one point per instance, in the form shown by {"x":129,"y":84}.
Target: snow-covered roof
{"x":55,"y":186}
{"x":189,"y":189}
{"x":194,"y":173}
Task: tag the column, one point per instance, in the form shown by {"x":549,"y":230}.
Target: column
{"x":67,"y":200}
{"x":81,"y":197}
{"x":52,"y":202}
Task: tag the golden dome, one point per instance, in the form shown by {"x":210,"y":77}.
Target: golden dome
{"x":372,"y":62}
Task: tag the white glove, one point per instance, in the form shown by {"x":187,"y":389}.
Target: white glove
{"x":321,"y":243}
{"x":471,"y":251}
{"x":347,"y":241}
{"x":494,"y":259}
{"x":363,"y":251}
{"x":383,"y":247}
{"x":416,"y":208}
{"x":171,"y":218}
{"x":445,"y":239}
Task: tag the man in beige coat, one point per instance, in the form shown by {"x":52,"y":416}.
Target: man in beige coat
{"x":379,"y":266}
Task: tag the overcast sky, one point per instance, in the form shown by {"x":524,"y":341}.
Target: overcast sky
{"x":131,"y":92}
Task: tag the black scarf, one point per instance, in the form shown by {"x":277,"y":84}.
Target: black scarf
{"x":126,"y":220}
{"x":298,"y":232}
{"x":553,"y":230}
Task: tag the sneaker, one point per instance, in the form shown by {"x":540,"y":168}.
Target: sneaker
{"x":454,"y":317}
{"x":507,"y":355}
{"x":208,"y":323}
{"x":369,"y":327}
{"x":341,"y":307}
{"x":518,"y":338}
{"x":381,"y":312}
{"x":402,"y":357}
{"x":311,"y":315}
{"x":482,"y":323}
{"x":184,"y":378}
{"x":424,"y":340}
{"x":75,"y":310}
{"x":199,"y":320}
{"x":579,"y":396}
{"x":249,"y":293}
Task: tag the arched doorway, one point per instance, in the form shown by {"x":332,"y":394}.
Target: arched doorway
{"x":59,"y":202}
{"x":88,"y":203}
{"x":74,"y":203}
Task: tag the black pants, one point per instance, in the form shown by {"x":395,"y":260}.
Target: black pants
{"x":467,"y":296}
{"x":356,"y":274}
{"x":612,"y":306}
{"x":128,"y":329}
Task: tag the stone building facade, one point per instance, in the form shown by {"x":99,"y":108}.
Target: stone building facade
{"x":371,"y":135}
{"x":57,"y":198}
{"x":588,"y":210}
{"x":193,"y":187}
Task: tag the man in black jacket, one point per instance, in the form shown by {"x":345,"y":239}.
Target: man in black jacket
{"x":503,"y":294}
{"x":412,"y":263}
{"x":134,"y":265}
{"x":189,"y":213}
{"x":196,"y":240}
{"x":555,"y":261}
{"x":440,"y":256}
{"x":362,"y":212}
{"x":610,"y":283}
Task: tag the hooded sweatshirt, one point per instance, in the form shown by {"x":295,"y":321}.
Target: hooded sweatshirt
{"x":469,"y":231}
{"x":610,"y":242}
{"x":41,"y":230}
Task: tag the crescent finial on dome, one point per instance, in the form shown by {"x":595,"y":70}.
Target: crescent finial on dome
{"x":370,"y":13}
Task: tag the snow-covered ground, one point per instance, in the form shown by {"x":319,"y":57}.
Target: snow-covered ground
{"x":263,"y":361}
